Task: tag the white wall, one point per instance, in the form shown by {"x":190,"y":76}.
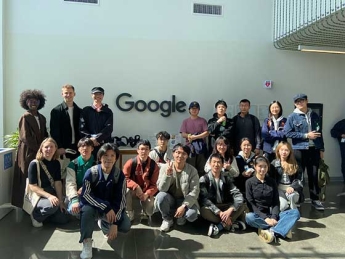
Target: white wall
{"x":154,"y":49}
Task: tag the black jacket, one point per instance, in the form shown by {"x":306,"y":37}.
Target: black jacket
{"x":263,"y":197}
{"x":60,"y":125}
{"x":97,"y":123}
{"x":228,"y":192}
{"x":337,"y":130}
{"x":216,"y":130}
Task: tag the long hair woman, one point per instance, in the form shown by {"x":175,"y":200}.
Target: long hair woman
{"x":47,"y":184}
{"x":272,"y":130}
{"x":288,"y":177}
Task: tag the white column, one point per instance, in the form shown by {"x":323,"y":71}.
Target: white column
{"x":2,"y":90}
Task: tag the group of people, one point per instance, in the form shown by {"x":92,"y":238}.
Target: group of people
{"x":202,"y":176}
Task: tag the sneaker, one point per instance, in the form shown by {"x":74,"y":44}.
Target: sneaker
{"x":266,"y":235}
{"x":317,"y":205}
{"x":289,"y":234}
{"x":35,"y":223}
{"x":166,"y":224}
{"x":181,"y":221}
{"x":130,"y":214}
{"x":238,"y":225}
{"x":86,"y":253}
{"x":212,"y":230}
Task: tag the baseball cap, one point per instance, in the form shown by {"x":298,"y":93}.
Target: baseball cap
{"x":299,"y":96}
{"x":97,"y":90}
{"x":194,"y":105}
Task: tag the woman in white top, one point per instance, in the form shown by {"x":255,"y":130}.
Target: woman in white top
{"x":222,"y":146}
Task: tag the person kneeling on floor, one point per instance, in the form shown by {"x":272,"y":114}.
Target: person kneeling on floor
{"x":263,"y":202}
{"x":103,"y":198}
{"x":178,"y":185}
{"x":221,"y":202}
{"x":141,"y":174}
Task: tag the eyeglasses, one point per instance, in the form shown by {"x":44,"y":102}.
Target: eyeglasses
{"x":300,"y":101}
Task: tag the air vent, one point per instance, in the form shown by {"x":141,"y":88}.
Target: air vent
{"x":83,"y":1}
{"x":208,"y":9}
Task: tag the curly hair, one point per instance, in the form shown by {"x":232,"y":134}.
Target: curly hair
{"x":36,"y":94}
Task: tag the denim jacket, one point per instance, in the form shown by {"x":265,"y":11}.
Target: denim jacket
{"x":296,"y":128}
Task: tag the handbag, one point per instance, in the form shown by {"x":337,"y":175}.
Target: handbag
{"x":31,"y":198}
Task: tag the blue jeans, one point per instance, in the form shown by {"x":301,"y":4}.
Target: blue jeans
{"x":89,"y":214}
{"x":287,"y":220}
{"x":167,"y":206}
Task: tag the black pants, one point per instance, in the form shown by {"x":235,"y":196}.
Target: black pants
{"x":309,"y":159}
{"x":342,"y":152}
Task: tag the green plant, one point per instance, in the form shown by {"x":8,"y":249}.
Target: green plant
{"x":11,"y":140}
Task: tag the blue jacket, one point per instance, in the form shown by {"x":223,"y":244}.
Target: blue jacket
{"x":270,"y":135}
{"x":104,"y":195}
{"x":296,"y":128}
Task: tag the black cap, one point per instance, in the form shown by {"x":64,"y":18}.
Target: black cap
{"x":220,"y":102}
{"x":194,"y":105}
{"x":97,"y":90}
{"x":299,"y":96}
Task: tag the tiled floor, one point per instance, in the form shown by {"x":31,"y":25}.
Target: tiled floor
{"x":317,"y":235}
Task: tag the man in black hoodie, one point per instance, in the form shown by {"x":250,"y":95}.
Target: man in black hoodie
{"x":96,"y":121}
{"x":220,"y":125}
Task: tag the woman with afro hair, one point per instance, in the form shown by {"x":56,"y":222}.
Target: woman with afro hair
{"x":32,"y":131}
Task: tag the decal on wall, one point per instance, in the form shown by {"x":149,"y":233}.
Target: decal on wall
{"x":123,"y":103}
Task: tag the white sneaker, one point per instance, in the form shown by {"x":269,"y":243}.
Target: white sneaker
{"x":87,"y":249}
{"x":166,"y":224}
{"x":35,"y":223}
{"x":130,"y":214}
{"x":212,"y":230}
{"x":266,"y":235}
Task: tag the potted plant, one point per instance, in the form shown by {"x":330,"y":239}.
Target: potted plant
{"x":11,"y":140}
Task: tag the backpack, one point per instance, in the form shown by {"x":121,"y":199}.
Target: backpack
{"x":94,"y":174}
{"x":323,"y":179}
{"x":134,"y":166}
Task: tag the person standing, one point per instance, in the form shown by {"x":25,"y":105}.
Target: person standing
{"x":219,"y":124}
{"x":194,"y":129}
{"x":96,"y":121}
{"x":273,"y":129}
{"x":303,"y":127}
{"x":246,"y":126}
{"x":32,"y":131}
{"x":64,"y":122}
{"x":338,"y":132}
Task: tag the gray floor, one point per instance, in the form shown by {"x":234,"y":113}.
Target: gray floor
{"x":316,"y":235}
